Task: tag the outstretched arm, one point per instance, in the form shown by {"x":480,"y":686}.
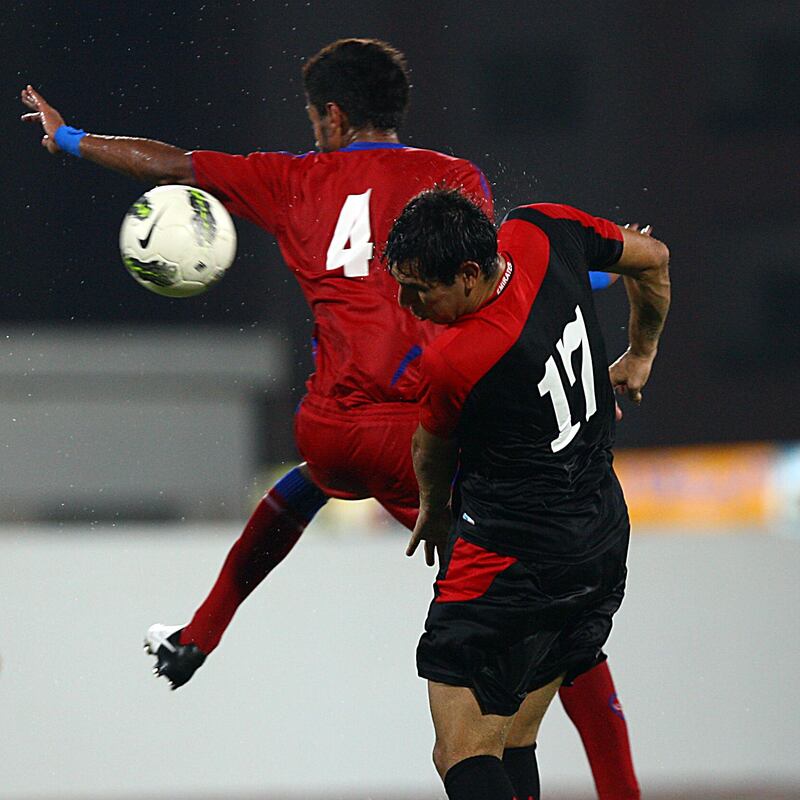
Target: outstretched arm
{"x":645,"y":266}
{"x":142,"y":159}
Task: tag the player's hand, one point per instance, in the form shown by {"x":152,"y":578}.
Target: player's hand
{"x":629,"y":374}
{"x":44,"y":113}
{"x":433,"y":528}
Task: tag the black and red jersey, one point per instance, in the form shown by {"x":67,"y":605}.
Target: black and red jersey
{"x":522,"y":383}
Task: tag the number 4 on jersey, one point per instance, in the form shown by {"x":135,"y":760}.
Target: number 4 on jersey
{"x":573,"y":338}
{"x":353,"y":227}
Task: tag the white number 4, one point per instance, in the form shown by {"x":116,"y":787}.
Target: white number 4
{"x":574,"y":337}
{"x":352,"y":226}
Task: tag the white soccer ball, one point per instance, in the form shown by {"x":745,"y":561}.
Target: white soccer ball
{"x":177,"y":240}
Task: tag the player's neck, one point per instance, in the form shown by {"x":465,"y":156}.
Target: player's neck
{"x":492,"y":287}
{"x":372,"y":135}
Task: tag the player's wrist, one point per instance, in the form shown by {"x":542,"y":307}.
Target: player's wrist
{"x":643,"y":351}
{"x":435,"y":507}
{"x":68,"y":139}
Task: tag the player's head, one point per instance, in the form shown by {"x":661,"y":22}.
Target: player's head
{"x":365,"y":80}
{"x":442,"y":251}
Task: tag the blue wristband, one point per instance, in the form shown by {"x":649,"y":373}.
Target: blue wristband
{"x":69,"y":139}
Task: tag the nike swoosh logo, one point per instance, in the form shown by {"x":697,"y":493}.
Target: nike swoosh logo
{"x":144,"y":242}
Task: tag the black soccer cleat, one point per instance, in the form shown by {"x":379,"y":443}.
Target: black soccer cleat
{"x":175,"y":661}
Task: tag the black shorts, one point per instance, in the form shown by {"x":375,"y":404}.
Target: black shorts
{"x":504,"y":627}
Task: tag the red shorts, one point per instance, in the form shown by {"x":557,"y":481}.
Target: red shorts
{"x":362,"y":453}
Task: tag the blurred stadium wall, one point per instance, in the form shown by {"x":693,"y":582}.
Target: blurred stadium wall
{"x":138,"y":422}
{"x":313,"y":693}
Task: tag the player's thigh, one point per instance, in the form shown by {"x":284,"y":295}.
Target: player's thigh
{"x":525,"y":728}
{"x":327,"y":444}
{"x":462,"y":729}
{"x":359,"y":455}
{"x":388,"y":470}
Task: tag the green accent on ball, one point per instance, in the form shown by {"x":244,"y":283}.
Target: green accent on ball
{"x":204,"y":222}
{"x":155,"y":272}
{"x":141,"y":209}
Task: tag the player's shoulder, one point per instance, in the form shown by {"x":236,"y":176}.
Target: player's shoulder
{"x":437,"y":168}
{"x":408,"y":154}
{"x":525,"y":228}
{"x":453,"y":165}
{"x":550,"y":215}
{"x":438,"y":155}
{"x":454,"y":357}
{"x":400,"y":151}
{"x":442,"y":357}
{"x":538,"y":212}
{"x":257,"y":162}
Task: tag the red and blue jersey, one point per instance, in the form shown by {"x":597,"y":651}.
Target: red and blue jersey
{"x":331,"y":214}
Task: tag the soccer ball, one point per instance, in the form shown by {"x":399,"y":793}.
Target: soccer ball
{"x":177,"y":241}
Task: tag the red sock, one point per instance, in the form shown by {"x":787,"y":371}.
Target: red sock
{"x":592,"y":705}
{"x":270,"y":533}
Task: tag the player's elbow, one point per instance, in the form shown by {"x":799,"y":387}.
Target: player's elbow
{"x":662,"y":261}
{"x":661,"y":255}
{"x":177,"y":179}
{"x":655,"y":267}
{"x":177,"y":170}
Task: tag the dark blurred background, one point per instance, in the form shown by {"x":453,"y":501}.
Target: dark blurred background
{"x":683,"y":115}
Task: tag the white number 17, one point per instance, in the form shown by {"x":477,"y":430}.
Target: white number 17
{"x":352,"y":226}
{"x":574,"y":337}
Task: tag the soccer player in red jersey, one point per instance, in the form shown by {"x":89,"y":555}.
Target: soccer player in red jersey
{"x":330,"y":212}
{"x":515,"y":435}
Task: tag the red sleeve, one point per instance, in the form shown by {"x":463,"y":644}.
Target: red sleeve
{"x":444,"y":391}
{"x":601,"y":239}
{"x":472,"y":182}
{"x":253,"y":186}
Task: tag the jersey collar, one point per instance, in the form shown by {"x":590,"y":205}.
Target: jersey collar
{"x":371,"y":146}
{"x":508,"y":274}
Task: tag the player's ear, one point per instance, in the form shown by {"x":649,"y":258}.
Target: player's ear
{"x":470,"y":272}
{"x":337,"y":119}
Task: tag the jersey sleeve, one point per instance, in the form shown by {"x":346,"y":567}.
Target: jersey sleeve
{"x":602,"y":280}
{"x":598,"y":241}
{"x":444,"y":391}
{"x":469,"y":179}
{"x":253,"y":187}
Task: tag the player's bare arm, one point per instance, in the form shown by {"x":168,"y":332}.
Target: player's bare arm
{"x":142,"y":159}
{"x":645,"y":267}
{"x":435,"y":465}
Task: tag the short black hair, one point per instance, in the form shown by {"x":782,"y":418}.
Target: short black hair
{"x":366,"y":78}
{"x":438,"y":231}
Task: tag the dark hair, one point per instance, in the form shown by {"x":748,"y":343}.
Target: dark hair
{"x":438,"y":231}
{"x":367,"y":78}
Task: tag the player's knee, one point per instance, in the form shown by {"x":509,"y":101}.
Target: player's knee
{"x":446,"y":754}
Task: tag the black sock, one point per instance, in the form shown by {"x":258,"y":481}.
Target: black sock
{"x":521,"y":767}
{"x":478,"y":778}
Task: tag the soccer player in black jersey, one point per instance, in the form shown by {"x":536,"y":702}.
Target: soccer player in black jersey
{"x":519,"y":409}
